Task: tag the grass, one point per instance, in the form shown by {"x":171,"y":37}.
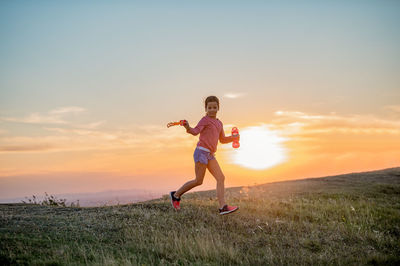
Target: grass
{"x":347,"y":219}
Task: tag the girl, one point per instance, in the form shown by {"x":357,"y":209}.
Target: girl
{"x":211,"y":130}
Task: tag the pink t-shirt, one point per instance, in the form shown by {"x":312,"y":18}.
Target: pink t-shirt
{"x":210,"y":130}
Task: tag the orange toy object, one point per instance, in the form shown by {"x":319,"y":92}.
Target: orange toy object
{"x":180,"y":123}
{"x":235,"y":132}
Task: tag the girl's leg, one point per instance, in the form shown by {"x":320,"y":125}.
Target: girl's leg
{"x":200,"y":170}
{"x":216,"y":171}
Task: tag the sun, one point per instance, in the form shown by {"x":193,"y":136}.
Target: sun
{"x":260,"y":148}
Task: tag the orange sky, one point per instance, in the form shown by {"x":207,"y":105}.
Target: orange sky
{"x":155,"y":158}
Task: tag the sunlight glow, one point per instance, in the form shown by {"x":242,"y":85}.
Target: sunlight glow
{"x":260,"y":148}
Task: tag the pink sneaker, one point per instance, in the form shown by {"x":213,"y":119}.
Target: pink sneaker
{"x":175,"y":201}
{"x":227,"y":209}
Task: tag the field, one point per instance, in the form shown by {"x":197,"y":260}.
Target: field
{"x":347,"y":219}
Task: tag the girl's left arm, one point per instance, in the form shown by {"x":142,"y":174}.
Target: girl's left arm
{"x":224,"y":139}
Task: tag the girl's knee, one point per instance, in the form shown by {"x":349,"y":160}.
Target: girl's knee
{"x":199,"y":182}
{"x":221,"y":178}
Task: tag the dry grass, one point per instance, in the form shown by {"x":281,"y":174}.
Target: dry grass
{"x":348,"y":219}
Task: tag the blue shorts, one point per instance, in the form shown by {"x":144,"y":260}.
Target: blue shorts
{"x":202,"y":156}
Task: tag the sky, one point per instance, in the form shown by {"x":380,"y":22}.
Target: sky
{"x":87,"y":89}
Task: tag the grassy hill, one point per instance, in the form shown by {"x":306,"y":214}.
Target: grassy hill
{"x":346,"y":219}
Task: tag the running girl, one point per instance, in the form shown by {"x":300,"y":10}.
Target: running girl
{"x":211,"y":130}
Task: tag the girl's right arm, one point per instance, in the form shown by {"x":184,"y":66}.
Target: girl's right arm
{"x":195,"y":131}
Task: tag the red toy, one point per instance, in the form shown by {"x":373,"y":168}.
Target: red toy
{"x":181,"y":123}
{"x":235,"y":132}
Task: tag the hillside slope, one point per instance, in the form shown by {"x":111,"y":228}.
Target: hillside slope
{"x":346,"y":219}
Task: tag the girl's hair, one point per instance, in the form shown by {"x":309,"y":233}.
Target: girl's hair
{"x":211,"y":99}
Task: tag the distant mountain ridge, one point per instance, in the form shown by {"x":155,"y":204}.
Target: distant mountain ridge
{"x":115,"y":197}
{"x":96,"y":199}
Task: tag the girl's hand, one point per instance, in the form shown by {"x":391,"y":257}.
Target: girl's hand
{"x":186,"y":125}
{"x":235,"y":138}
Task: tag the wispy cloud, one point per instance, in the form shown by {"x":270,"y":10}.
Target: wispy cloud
{"x":234,"y":95}
{"x":141,"y":137}
{"x":32,"y":147}
{"x":32,"y":144}
{"x":334,"y":143}
{"x":36,"y":118}
{"x":301,"y":115}
{"x":393,"y":108}
{"x":67,"y":110}
{"x":346,"y":123}
{"x":92,"y":125}
{"x":56,"y":116}
{"x":61,"y":134}
{"x":329,"y":137}
{"x":70,"y":135}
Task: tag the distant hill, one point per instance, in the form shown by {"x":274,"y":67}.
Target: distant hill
{"x":345,"y":182}
{"x":97,"y":199}
{"x":345,"y":219}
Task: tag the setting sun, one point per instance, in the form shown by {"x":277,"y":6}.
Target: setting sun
{"x":260,"y":148}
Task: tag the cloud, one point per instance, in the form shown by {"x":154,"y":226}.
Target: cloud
{"x":331,"y":142}
{"x":93,"y":125}
{"x":32,"y":147}
{"x":141,"y":137}
{"x":70,"y":136}
{"x":234,"y":95}
{"x":36,"y":118}
{"x":393,"y":108}
{"x":299,"y":126}
{"x":32,"y":144}
{"x":56,"y":116}
{"x":333,"y":122}
{"x":67,"y":110}
{"x":296,"y":114}
{"x":62,"y":135}
{"x":332,"y":135}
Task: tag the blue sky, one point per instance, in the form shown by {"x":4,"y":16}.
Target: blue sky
{"x":124,"y":56}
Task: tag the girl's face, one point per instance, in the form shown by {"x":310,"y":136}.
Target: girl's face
{"x":212,"y":109}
